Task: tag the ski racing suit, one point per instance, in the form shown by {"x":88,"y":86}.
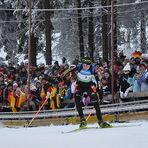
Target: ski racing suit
{"x":86,"y":82}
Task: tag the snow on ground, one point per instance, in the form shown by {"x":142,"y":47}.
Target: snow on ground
{"x":52,"y":137}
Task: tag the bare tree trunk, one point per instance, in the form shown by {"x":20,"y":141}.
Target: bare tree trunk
{"x":80,"y":28}
{"x":20,"y":27}
{"x":48,"y":33}
{"x":104,"y":31}
{"x":91,"y":32}
{"x":33,"y":51}
{"x":115,"y":33}
{"x":143,"y":33}
{"x":109,"y":28}
{"x":128,"y":41}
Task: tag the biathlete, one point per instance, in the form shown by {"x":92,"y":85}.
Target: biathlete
{"x":86,"y":83}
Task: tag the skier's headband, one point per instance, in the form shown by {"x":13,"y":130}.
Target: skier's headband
{"x":86,"y":61}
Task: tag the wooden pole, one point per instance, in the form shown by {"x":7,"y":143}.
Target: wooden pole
{"x":29,"y":50}
{"x":113,"y":46}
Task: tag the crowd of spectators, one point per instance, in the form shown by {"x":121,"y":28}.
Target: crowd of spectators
{"x":57,"y":81}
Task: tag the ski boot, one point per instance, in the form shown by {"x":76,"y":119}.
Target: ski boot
{"x":104,"y":124}
{"x":83,"y":123}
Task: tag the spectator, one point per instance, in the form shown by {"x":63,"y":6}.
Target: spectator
{"x":56,"y":67}
{"x":2,"y":88}
{"x":20,"y":99}
{"x":125,"y":85}
{"x":11,"y":98}
{"x":136,"y":77}
{"x":44,"y":88}
{"x":144,"y":78}
{"x":106,"y":90}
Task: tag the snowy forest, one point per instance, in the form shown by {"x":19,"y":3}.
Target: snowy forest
{"x":67,"y":28}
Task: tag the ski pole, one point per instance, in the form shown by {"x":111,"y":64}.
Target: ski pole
{"x":89,"y":115}
{"x":37,"y":112}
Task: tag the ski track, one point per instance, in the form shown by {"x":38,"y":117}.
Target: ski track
{"x":51,"y":136}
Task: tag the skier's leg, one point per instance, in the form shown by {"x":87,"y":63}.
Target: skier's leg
{"x":101,"y":123}
{"x":79,"y":104}
{"x":95,"y":102}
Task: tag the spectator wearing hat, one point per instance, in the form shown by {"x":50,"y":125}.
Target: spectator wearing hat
{"x":144,"y":78}
{"x":124,"y":81}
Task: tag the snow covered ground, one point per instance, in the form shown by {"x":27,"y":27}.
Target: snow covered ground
{"x":52,"y":137}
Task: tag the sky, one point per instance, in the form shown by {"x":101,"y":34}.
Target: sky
{"x":134,"y":135}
